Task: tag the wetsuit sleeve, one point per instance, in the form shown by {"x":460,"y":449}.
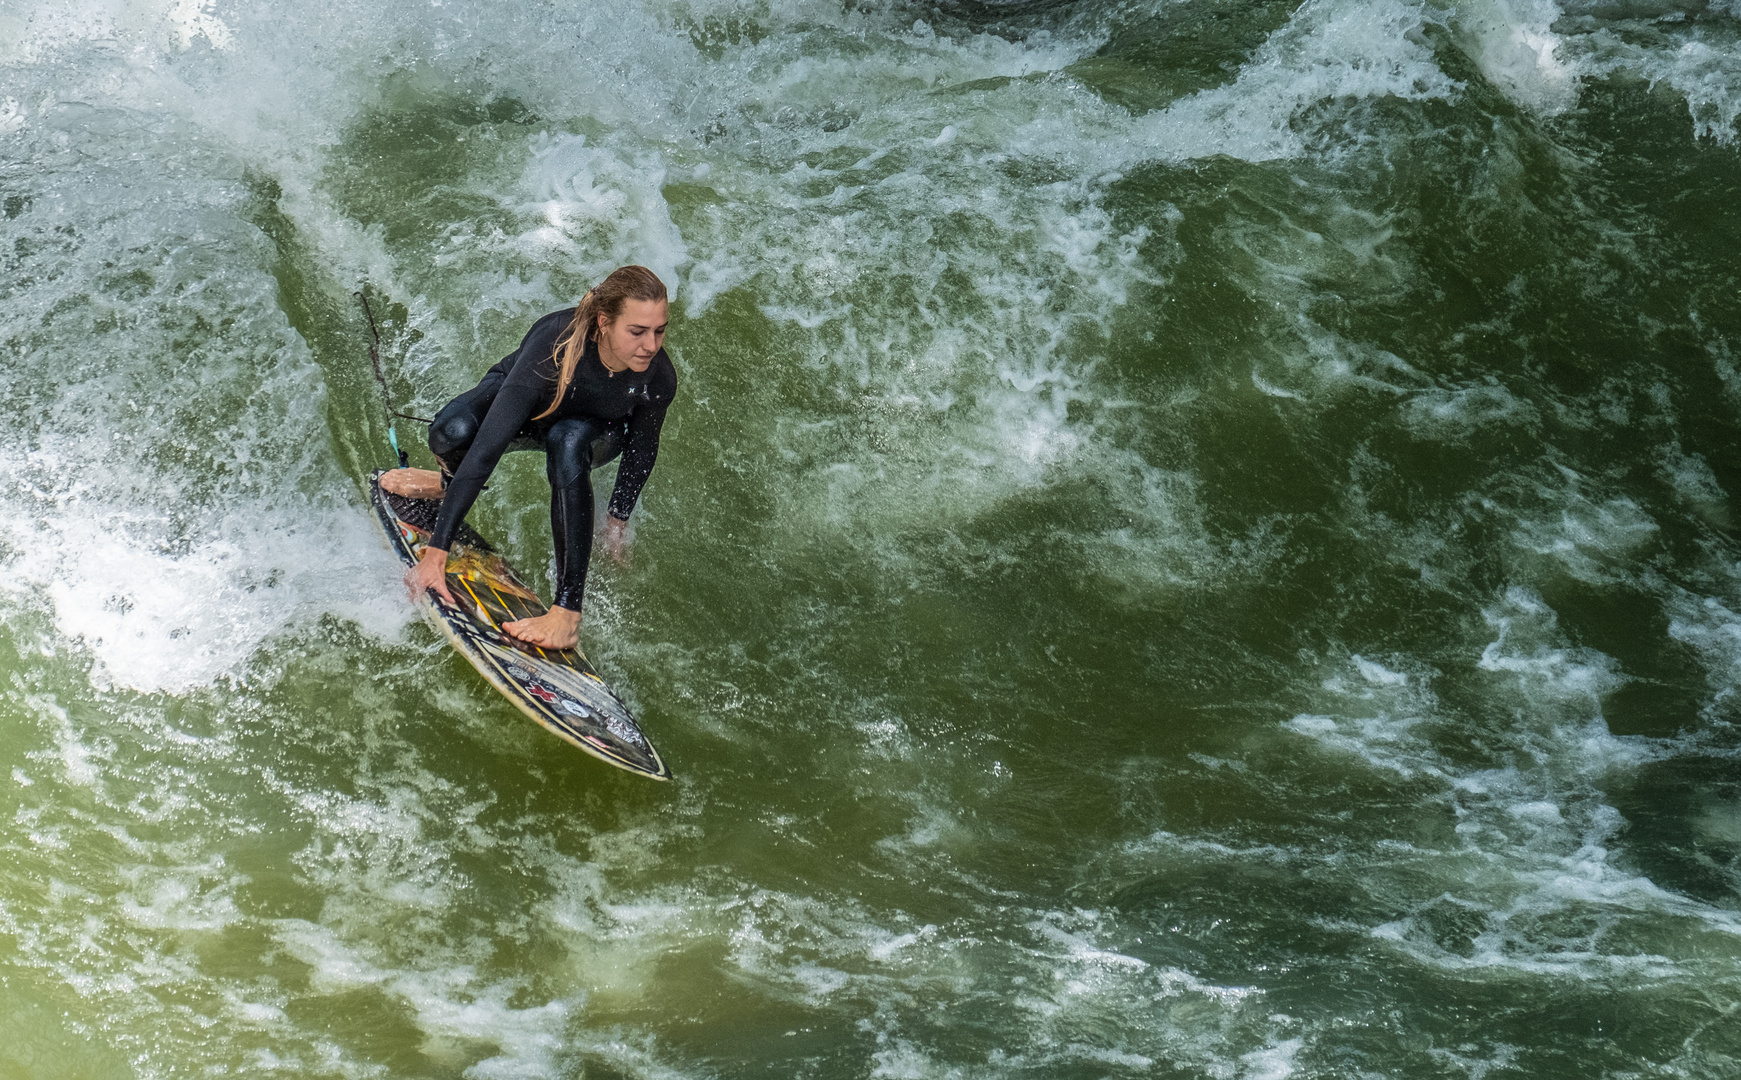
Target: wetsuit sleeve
{"x":522,"y":394}
{"x":640,"y":451}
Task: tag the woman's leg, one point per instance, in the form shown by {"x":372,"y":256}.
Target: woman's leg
{"x":572,"y":450}
{"x":450,"y":436}
{"x":456,"y":425}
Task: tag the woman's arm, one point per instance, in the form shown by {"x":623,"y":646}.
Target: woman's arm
{"x":640,"y":453}
{"x":528,"y":374}
{"x":509,"y":411}
{"x":641,"y":445}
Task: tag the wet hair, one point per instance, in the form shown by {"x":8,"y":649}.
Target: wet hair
{"x":604,"y":299}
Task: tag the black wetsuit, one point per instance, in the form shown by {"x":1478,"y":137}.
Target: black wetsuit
{"x":602,"y":413}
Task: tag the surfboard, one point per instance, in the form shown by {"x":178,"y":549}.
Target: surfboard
{"x":556,"y":687}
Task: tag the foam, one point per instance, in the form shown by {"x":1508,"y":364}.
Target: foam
{"x":1713,"y":629}
{"x":1693,"y":481}
{"x":1327,"y":50}
{"x":1519,"y":53}
{"x":1585,"y":531}
{"x":1536,"y":819}
{"x":1374,"y":711}
{"x":452,"y":1003}
{"x":1527,"y":648}
{"x":1465,"y":1058}
{"x":1698,"y":59}
{"x":1455,"y":415}
{"x":194,"y":20}
{"x":1272,"y":1062}
{"x":1079,"y":950}
{"x":1283,"y":254}
{"x":185,"y":898}
{"x":174,"y":520}
{"x":599,"y":209}
{"x":172,"y":622}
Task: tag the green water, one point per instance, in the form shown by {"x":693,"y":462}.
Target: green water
{"x":1196,"y":540}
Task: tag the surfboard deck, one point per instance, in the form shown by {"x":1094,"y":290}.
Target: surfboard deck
{"x":556,"y":687}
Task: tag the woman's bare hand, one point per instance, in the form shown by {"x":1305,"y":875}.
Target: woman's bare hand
{"x":430,"y":573}
{"x":616,"y":538}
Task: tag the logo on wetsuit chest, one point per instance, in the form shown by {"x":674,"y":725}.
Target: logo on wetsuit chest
{"x":643,"y":392}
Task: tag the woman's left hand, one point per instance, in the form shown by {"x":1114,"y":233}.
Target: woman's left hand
{"x":616,"y":539}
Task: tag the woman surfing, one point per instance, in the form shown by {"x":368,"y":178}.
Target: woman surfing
{"x":586,"y":384}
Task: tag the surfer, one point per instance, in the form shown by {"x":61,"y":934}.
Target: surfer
{"x":586,"y":384}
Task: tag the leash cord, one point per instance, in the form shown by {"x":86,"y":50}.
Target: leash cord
{"x":381,"y":381}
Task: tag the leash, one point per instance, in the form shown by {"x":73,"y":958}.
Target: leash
{"x":381,"y":381}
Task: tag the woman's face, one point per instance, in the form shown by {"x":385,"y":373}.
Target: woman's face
{"x":635,"y":337}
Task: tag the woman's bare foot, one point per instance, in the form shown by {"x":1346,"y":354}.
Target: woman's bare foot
{"x":413,"y":483}
{"x":558,"y":628}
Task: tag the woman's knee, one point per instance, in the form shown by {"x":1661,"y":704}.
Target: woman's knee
{"x":452,"y":434}
{"x":456,"y":425}
{"x":568,"y":451}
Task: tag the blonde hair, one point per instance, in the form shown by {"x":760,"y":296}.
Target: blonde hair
{"x":606,"y":298}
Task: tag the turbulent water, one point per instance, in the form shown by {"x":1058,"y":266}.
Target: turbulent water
{"x":1197,"y":539}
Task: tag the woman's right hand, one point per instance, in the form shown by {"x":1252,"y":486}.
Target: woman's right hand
{"x":429,"y":573}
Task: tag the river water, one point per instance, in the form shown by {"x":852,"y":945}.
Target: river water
{"x":1197,"y":539}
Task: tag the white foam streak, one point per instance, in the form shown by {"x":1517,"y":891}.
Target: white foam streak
{"x":1712,"y":628}
{"x":1272,"y":1062}
{"x":194,"y":19}
{"x":1455,"y":415}
{"x":452,"y":1004}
